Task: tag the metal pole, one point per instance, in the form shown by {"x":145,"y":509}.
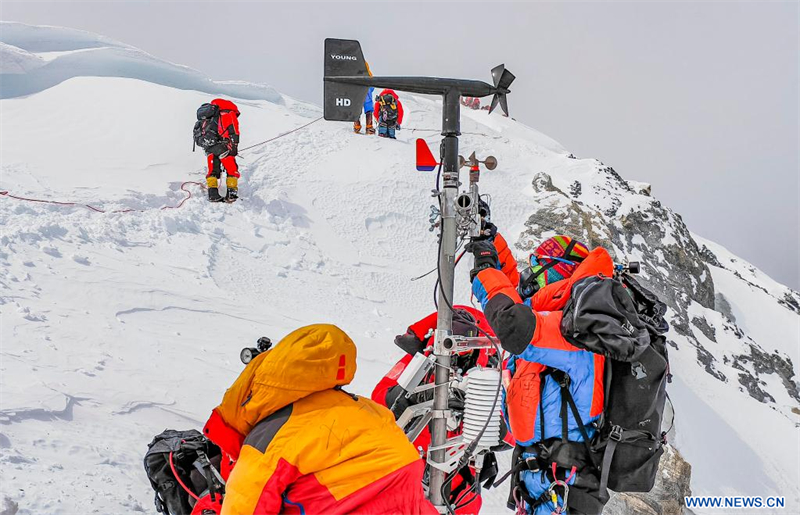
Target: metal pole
{"x":450,"y":131}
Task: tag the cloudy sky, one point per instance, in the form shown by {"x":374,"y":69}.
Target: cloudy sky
{"x":699,"y":99}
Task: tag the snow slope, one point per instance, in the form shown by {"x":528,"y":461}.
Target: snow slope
{"x":116,"y":326}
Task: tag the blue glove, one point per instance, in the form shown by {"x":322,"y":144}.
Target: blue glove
{"x":397,"y":128}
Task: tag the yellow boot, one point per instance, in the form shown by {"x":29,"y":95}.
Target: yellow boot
{"x":232,"y":183}
{"x":213,"y":189}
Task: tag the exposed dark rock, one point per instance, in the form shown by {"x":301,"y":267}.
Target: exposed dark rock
{"x":754,"y":285}
{"x":764,"y":363}
{"x":707,"y":360}
{"x":709,"y":257}
{"x":674,"y":266}
{"x":705,"y":328}
{"x":791,"y":300}
{"x":751,"y":384}
{"x":542,"y":182}
{"x":611,"y":211}
{"x":575,"y":189}
{"x":616,"y":177}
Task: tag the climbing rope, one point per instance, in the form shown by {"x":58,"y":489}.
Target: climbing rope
{"x":99,"y":210}
{"x":183,"y":185}
{"x":412,"y":129}
{"x":132,"y":210}
{"x":281,"y":135}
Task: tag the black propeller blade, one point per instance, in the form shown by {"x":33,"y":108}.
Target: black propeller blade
{"x":502,"y":80}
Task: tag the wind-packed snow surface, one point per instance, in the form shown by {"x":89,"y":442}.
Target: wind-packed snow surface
{"x":117,"y":326}
{"x":34,"y":58}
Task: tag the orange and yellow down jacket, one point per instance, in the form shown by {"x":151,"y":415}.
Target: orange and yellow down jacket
{"x":308,"y":447}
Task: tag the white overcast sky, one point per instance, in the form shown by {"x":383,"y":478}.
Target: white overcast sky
{"x":698,"y":98}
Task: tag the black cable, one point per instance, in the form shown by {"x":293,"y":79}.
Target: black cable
{"x":472,"y":446}
{"x":432,"y":270}
{"x":462,"y":497}
{"x":447,"y":480}
{"x":438,"y":281}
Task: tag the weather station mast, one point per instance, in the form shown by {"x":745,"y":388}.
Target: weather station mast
{"x":346,"y":82}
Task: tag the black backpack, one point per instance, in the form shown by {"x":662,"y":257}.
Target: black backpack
{"x":388,"y":112}
{"x":622,"y":320}
{"x":182,"y":466}
{"x":206,"y":128}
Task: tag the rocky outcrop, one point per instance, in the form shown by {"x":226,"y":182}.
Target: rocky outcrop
{"x":671,"y":260}
{"x":666,"y":497}
{"x":606,"y":210}
{"x":765,"y":363}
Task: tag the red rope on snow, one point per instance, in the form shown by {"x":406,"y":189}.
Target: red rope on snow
{"x":97,"y":209}
{"x":183,"y":185}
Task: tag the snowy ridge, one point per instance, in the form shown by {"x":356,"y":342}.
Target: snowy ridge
{"x":38,"y":57}
{"x":116,"y":326}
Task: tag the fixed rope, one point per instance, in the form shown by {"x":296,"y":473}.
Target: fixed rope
{"x":5,"y":193}
{"x":99,"y":210}
{"x":280,"y":135}
{"x":413,"y":129}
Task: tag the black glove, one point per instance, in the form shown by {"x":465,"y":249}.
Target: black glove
{"x":488,"y":231}
{"x":396,"y":400}
{"x":485,"y":256}
{"x":409,"y":342}
{"x":233,"y":148}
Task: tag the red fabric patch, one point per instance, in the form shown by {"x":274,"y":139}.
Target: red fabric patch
{"x":397,"y":493}
{"x":598,"y":395}
{"x":340,"y":374}
{"x":227,"y":438}
{"x":206,"y":505}
{"x":278,"y":484}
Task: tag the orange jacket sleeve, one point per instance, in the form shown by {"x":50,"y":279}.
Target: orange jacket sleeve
{"x":507,"y":261}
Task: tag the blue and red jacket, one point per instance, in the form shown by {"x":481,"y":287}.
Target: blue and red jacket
{"x":533,"y":337}
{"x":369,"y":104}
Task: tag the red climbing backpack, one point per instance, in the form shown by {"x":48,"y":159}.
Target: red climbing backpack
{"x":206,"y":130}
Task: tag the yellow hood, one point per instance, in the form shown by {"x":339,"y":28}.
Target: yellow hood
{"x":311,"y":359}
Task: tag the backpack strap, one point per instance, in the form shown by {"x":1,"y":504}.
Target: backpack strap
{"x":563,"y":380}
{"x":568,"y":250}
{"x":519,"y":464}
{"x":616,"y":436}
